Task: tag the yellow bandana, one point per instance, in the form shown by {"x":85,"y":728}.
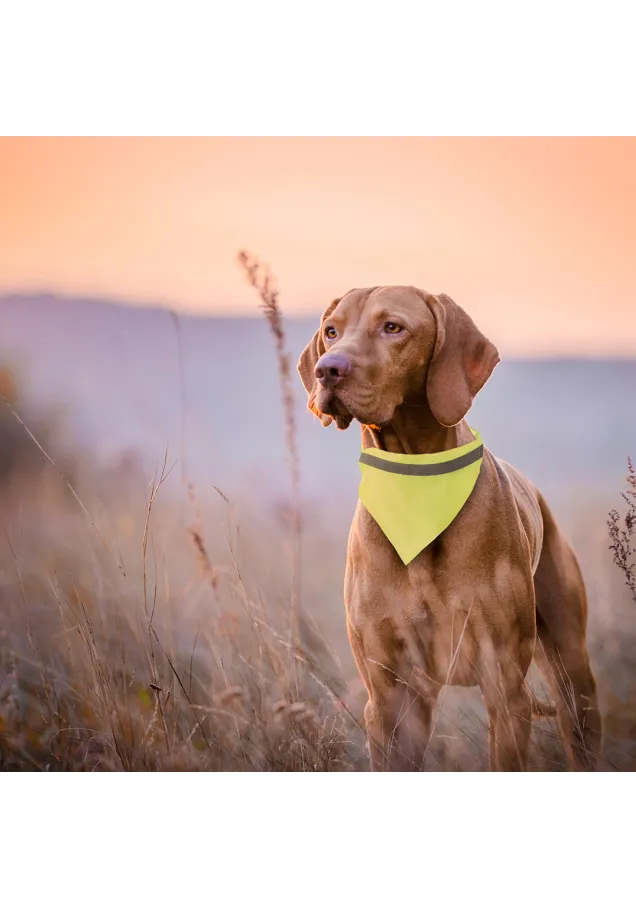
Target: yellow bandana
{"x":415,"y":497}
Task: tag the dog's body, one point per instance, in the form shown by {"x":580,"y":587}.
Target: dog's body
{"x":498,"y":586}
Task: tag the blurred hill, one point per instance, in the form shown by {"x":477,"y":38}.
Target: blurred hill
{"x":569,"y":424}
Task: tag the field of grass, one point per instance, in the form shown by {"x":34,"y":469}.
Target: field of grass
{"x":146,"y":638}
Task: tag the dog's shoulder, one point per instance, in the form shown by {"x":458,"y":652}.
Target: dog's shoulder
{"x":526,"y":498}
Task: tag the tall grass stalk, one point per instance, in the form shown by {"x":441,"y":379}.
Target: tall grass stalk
{"x":260,"y":278}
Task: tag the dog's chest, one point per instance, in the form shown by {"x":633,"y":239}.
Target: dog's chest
{"x":416,"y":632}
{"x":428,"y":617}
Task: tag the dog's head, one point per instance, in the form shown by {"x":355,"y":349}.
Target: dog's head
{"x":381,"y":347}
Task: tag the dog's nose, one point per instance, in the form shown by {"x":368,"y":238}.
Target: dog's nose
{"x":332,"y":367}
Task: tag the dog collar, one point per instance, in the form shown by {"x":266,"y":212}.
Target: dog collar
{"x":414,"y":498}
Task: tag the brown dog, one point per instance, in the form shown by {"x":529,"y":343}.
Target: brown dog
{"x":469,"y":608}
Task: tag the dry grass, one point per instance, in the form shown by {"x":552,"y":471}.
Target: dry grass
{"x":123,"y":663}
{"x":261,"y":279}
{"x":621,"y":533}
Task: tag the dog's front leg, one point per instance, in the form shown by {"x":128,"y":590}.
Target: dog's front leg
{"x":398,"y":725}
{"x":399,"y":712}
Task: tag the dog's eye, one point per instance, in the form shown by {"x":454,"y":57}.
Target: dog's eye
{"x":392,"y":328}
{"x":330,"y":332}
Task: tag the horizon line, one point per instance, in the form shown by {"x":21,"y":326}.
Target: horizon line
{"x":147,"y":305}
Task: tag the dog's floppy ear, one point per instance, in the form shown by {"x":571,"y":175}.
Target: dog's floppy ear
{"x":307,"y":364}
{"x":462,"y":362}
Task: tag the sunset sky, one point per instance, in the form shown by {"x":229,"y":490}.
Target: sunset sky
{"x":535,"y":238}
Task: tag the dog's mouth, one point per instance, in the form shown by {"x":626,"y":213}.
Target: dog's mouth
{"x":344,"y":407}
{"x":330,"y":404}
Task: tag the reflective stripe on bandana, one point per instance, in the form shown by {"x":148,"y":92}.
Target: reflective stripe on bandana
{"x":415,"y":497}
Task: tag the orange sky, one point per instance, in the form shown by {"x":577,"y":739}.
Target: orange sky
{"x":536,"y":238}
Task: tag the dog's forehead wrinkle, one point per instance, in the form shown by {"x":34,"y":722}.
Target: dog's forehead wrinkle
{"x":398,"y":294}
{"x":371,"y":305}
{"x":350,"y":307}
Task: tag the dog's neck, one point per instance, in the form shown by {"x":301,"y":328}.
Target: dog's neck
{"x":414,"y":430}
